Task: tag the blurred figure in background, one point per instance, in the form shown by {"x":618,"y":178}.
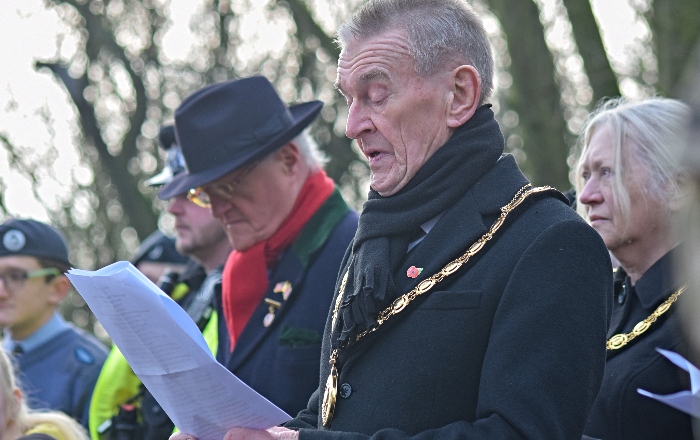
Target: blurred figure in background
{"x":120,"y":402}
{"x":157,"y":255}
{"x":58,"y":363}
{"x":18,"y":422}
{"x":690,"y":228}
{"x":631,"y":190}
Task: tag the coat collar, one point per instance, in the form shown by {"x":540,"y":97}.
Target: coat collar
{"x":657,"y":283}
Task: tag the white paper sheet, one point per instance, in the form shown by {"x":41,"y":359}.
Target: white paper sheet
{"x":686,"y":401}
{"x":168,"y":353}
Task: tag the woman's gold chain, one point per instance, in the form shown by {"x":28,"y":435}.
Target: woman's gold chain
{"x":621,"y":339}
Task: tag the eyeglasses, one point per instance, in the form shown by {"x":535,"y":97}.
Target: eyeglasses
{"x":14,"y":280}
{"x":226,"y":188}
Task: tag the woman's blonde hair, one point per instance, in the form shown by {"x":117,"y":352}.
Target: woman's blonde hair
{"x":25,"y":419}
{"x":652,"y":132}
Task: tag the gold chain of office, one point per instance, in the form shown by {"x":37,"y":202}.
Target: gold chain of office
{"x":399,"y":304}
{"x":620,"y":340}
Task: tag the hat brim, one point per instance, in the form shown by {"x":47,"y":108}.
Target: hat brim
{"x":302,"y":114}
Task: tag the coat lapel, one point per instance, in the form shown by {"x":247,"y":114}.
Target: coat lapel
{"x":289,"y":269}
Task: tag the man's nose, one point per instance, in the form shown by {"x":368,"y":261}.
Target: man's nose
{"x":359,"y":122}
{"x":219,"y":206}
{"x":175,"y":205}
{"x":4,"y":291}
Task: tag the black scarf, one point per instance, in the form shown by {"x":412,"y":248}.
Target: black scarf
{"x":387,"y":224}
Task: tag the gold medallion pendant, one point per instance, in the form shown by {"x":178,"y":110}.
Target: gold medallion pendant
{"x":329,"y":397}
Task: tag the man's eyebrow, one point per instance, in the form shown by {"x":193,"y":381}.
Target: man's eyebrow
{"x":365,"y":78}
{"x":373,"y":74}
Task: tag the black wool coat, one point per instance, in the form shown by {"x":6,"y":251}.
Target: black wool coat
{"x":620,"y":412}
{"x":510,"y":347}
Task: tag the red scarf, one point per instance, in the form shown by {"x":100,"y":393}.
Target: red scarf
{"x":245,"y":273}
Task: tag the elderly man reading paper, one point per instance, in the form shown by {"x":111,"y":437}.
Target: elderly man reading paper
{"x":250,"y":160}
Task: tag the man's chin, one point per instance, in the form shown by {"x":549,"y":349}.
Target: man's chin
{"x":232,"y":241}
{"x":386,"y":190}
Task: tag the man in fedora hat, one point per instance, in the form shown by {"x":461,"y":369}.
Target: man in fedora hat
{"x":249,"y":159}
{"x":199,"y":236}
{"x":57,"y":362}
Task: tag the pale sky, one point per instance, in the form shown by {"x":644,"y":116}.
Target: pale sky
{"x":28,"y":97}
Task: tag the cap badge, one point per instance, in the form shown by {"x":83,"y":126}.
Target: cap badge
{"x":14,"y":240}
{"x":155,"y":253}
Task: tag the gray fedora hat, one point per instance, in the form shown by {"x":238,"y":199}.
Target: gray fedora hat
{"x":225,"y":126}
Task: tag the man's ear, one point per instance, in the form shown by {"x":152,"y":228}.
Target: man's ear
{"x":466,"y":91}
{"x":17,"y":393}
{"x":290,"y":157}
{"x":60,"y":286}
{"x":15,"y":404}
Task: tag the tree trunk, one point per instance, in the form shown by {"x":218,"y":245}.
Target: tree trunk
{"x":590,"y":46}
{"x":535,"y":95}
{"x":137,"y":208}
{"x":675,"y":25}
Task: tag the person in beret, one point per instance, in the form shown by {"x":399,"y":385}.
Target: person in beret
{"x":199,"y":236}
{"x":58,"y":363}
{"x":470,"y":304}
{"x":250,"y":160}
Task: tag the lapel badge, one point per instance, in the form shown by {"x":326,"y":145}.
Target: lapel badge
{"x":283,"y":287}
{"x":413,"y":271}
{"x":272,"y":307}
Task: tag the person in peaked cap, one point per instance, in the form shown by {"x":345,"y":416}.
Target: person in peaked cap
{"x":174,"y":162}
{"x":156,"y":255}
{"x":249,"y":158}
{"x":58,"y":363}
{"x":200,"y":237}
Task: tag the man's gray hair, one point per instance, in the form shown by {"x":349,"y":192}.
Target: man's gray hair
{"x":652,"y":132}
{"x":310,"y":151}
{"x":438,"y":31}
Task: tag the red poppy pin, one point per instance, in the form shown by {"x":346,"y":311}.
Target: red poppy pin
{"x":414,"y":271}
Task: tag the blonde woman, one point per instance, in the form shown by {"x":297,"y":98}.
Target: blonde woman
{"x":631,"y":189}
{"x":17,"y":421}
